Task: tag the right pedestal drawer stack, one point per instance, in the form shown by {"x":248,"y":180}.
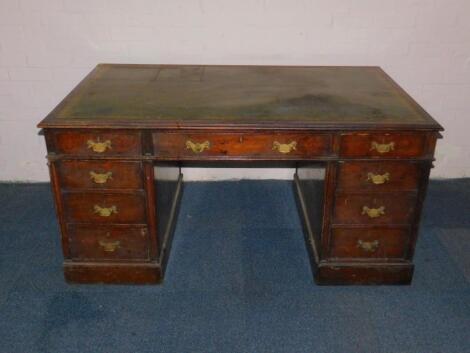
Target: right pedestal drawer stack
{"x":379,"y":185}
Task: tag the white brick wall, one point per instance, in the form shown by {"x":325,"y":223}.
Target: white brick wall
{"x":47,"y":46}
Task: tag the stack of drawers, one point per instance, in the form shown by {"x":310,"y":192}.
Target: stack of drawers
{"x":376,"y":198}
{"x":105,"y":210}
{"x":102,"y":205}
{"x":375,"y":203}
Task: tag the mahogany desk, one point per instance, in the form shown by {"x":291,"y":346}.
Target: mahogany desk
{"x":115,"y":144}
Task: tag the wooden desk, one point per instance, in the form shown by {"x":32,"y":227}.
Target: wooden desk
{"x":115,"y":144}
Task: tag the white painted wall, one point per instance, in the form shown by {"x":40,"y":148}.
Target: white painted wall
{"x":47,"y":46}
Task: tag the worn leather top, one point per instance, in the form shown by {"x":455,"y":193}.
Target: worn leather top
{"x":185,"y":96}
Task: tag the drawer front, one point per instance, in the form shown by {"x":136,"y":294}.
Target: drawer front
{"x":233,"y":145}
{"x":384,"y":145}
{"x":378,"y":176}
{"x":369,"y":243}
{"x":100,"y":243}
{"x":96,"y":143}
{"x":104,"y":207}
{"x":76,"y":174}
{"x":383,"y":208}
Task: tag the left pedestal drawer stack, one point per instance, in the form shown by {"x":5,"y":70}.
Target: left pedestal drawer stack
{"x":101,"y":198}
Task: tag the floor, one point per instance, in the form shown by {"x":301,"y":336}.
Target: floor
{"x":238,"y":281}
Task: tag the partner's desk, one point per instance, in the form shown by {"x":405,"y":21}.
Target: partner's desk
{"x":115,"y":145}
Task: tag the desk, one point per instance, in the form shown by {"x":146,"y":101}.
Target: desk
{"x":116,"y":142}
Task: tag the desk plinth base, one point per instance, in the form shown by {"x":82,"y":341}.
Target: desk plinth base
{"x":89,"y":273}
{"x":344,"y":274}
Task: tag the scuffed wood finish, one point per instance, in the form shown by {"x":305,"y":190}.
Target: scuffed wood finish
{"x":392,"y":176}
{"x":363,"y":144}
{"x":121,"y":143}
{"x":80,"y":174}
{"x":380,"y":244}
{"x":174,"y":145}
{"x":117,"y":140}
{"x":397,"y":208}
{"x":113,"y":273}
{"x":107,"y":243}
{"x":150,"y":208}
{"x":125,"y":208}
{"x":364,"y":274}
{"x":59,"y":207}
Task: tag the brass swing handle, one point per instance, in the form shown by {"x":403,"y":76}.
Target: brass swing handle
{"x":109,"y":246}
{"x":373,"y":212}
{"x":99,"y":146}
{"x":197,"y":147}
{"x":378,"y":179}
{"x":100,"y":178}
{"x":284,"y":147}
{"x":104,"y":211}
{"x":382,"y":147}
{"x":369,"y":246}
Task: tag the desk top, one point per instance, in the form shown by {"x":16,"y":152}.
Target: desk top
{"x":186,"y":96}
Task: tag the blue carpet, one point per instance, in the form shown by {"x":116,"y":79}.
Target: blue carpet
{"x":238,"y":281}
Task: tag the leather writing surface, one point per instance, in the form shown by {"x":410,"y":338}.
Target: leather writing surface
{"x":240,"y":94}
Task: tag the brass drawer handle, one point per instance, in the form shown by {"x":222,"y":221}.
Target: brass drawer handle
{"x":99,"y":146}
{"x":197,"y":147}
{"x":109,"y":246}
{"x":104,"y":211}
{"x":369,"y":246}
{"x":378,"y":179}
{"x":373,"y":212}
{"x":101,"y":178}
{"x":382,"y":147}
{"x":285,"y":147}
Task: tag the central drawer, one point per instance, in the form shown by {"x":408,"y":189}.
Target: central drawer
{"x":180,"y":145}
{"x":103,"y":207}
